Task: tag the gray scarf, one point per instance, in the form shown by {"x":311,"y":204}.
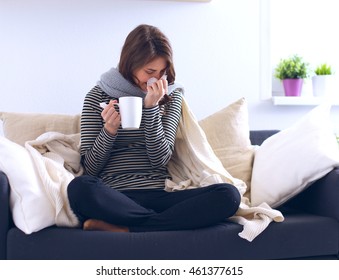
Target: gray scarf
{"x":115,"y":85}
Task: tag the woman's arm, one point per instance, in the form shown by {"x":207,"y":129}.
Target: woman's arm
{"x":96,"y":142}
{"x":160,"y":130}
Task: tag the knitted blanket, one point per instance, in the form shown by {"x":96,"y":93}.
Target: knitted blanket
{"x":200,"y":167}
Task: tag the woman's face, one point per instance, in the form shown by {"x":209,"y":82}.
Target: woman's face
{"x":156,"y":68}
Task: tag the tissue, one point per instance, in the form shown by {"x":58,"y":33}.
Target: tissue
{"x":103,"y":105}
{"x":153,"y":80}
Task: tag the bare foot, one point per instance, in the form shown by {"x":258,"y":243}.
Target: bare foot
{"x":93,"y":224}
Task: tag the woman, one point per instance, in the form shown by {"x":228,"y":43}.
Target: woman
{"x":123,"y":189}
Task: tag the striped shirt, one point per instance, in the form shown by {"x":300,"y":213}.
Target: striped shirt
{"x":132,"y":159}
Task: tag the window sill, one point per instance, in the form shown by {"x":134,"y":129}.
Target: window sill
{"x":301,"y":100}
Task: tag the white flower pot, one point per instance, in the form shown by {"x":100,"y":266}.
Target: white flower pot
{"x":323,"y":85}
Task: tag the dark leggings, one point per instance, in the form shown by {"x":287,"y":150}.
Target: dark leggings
{"x":152,"y":210}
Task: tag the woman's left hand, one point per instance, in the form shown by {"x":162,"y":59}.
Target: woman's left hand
{"x":155,"y":93}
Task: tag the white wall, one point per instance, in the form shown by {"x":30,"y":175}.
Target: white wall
{"x":53,"y":52}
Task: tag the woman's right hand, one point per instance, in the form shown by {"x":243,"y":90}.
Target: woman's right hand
{"x":155,"y":92}
{"x":111,"y":117}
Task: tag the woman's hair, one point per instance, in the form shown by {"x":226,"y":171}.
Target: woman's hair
{"x":142,"y":45}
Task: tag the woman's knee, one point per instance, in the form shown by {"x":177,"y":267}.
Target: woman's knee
{"x":231,"y":196}
{"x":80,"y":187}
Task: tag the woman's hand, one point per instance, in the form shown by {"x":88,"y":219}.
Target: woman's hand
{"x":155,"y":93}
{"x":111,"y":117}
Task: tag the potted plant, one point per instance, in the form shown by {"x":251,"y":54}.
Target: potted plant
{"x":323,"y":80}
{"x":292,"y":71}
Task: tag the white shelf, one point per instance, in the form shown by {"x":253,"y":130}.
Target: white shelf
{"x":300,"y":100}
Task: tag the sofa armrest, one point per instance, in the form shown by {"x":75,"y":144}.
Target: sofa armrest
{"x":5,"y":218}
{"x":320,"y":198}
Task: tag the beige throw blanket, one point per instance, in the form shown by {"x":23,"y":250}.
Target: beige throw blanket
{"x":194,"y":164}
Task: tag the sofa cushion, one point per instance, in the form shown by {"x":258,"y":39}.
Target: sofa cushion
{"x":21,"y":127}
{"x":227,"y":132}
{"x":297,"y":236}
{"x":289,"y":161}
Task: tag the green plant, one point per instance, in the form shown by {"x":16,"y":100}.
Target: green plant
{"x":323,"y":69}
{"x":293,"y":67}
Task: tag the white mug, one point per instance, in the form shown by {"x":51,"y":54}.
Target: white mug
{"x":130,"y":108}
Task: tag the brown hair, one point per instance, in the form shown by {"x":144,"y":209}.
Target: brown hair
{"x":142,"y":45}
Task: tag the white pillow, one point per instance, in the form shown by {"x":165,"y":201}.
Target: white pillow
{"x":227,"y":132}
{"x":287,"y":162}
{"x":30,"y":207}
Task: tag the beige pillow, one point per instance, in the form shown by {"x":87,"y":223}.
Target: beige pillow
{"x":227,"y":131}
{"x":21,"y":127}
